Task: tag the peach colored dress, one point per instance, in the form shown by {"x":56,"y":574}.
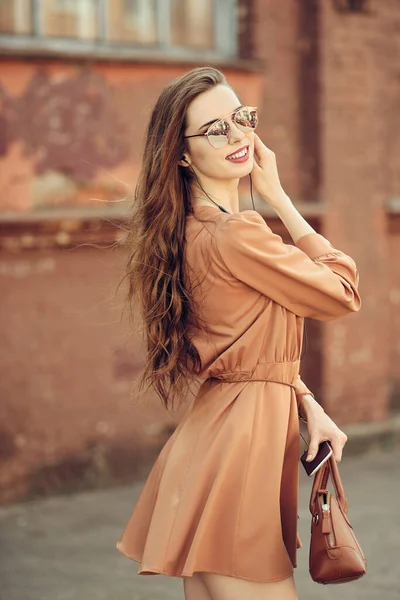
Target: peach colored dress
{"x":222,"y":495}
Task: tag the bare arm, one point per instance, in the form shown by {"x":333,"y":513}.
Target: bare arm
{"x":296,"y":225}
{"x":267,"y":183}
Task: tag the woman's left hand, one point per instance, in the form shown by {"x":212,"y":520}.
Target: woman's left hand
{"x":321,"y":427}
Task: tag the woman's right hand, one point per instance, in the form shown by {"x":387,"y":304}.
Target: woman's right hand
{"x":320,"y":428}
{"x":265,"y":175}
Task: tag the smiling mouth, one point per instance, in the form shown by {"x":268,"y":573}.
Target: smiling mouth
{"x":239,"y":154}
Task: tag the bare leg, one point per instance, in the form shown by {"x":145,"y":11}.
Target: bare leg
{"x":195,"y":588}
{"x":221,"y":587}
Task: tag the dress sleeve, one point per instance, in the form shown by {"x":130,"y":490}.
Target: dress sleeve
{"x":311,"y":279}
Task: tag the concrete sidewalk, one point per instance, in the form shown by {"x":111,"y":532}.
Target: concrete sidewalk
{"x":63,"y":548}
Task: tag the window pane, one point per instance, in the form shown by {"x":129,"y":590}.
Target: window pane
{"x":70,"y":18}
{"x":15,"y":16}
{"x":192,"y":23}
{"x":132,"y":21}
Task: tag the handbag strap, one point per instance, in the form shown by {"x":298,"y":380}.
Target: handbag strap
{"x":337,"y":483}
{"x":320,"y":482}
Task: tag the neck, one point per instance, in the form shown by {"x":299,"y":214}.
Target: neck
{"x":224,"y":193}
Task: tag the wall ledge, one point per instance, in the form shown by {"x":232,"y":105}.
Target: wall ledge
{"x":66,"y":227}
{"x":125,"y":56}
{"x":393,"y":206}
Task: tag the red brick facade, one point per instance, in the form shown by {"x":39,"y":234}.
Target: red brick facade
{"x":327,"y":84}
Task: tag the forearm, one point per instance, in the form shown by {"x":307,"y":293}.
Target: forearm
{"x":296,"y":225}
{"x":307,"y":406}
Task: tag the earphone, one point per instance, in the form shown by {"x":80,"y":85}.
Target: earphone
{"x":199,"y":183}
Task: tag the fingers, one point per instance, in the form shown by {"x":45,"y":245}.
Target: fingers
{"x":256,"y":166}
{"x":257,"y":141}
{"x":257,"y":147}
{"x":337,"y":444}
{"x":337,"y":451}
{"x":312,"y":449}
{"x":337,"y":441}
{"x":260,"y":148}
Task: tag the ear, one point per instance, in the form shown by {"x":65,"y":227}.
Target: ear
{"x":184,"y":162}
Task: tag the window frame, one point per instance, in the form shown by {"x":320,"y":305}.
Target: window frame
{"x":225,"y":27}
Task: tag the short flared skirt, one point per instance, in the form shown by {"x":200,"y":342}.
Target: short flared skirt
{"x":222,"y":496}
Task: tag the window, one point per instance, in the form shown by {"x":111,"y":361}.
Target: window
{"x":70,"y":18}
{"x":133,"y":21}
{"x":121,"y":27}
{"x":192,"y":23}
{"x":15,"y":16}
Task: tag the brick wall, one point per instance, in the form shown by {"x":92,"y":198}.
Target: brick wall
{"x":70,"y":415}
{"x":354,"y":82}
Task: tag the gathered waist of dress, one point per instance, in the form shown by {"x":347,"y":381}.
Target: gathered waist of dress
{"x":278,"y":372}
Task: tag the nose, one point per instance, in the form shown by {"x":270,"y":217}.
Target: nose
{"x":235,"y":133}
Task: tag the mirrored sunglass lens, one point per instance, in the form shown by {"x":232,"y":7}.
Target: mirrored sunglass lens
{"x":218,"y":134}
{"x":246,"y":118}
{"x":217,"y":141}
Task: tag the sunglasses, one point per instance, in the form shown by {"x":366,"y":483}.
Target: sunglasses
{"x":218,"y":134}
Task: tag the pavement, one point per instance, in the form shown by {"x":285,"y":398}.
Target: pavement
{"x":63,"y":547}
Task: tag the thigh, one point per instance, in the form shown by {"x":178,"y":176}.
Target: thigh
{"x":195,"y":588}
{"x":221,"y":587}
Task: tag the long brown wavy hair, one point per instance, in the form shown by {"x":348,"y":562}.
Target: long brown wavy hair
{"x":157,"y":279}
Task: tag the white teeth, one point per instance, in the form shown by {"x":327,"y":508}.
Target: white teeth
{"x":238,"y":154}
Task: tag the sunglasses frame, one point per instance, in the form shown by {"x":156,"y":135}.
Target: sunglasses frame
{"x":234,"y":112}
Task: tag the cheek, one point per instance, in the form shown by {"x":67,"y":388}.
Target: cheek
{"x":212,"y":163}
{"x":209,"y":160}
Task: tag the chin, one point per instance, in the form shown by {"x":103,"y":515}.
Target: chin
{"x":241,"y":170}
{"x":249,"y":168}
{"x":231,"y":171}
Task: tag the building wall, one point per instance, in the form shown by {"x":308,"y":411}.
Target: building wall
{"x":327,"y":85}
{"x":394,"y":312}
{"x":360,"y":86}
{"x":73,"y":133}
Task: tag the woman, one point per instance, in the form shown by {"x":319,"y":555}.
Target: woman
{"x":223,"y":300}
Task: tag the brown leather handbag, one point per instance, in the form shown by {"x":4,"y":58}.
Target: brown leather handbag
{"x":335,"y":554}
